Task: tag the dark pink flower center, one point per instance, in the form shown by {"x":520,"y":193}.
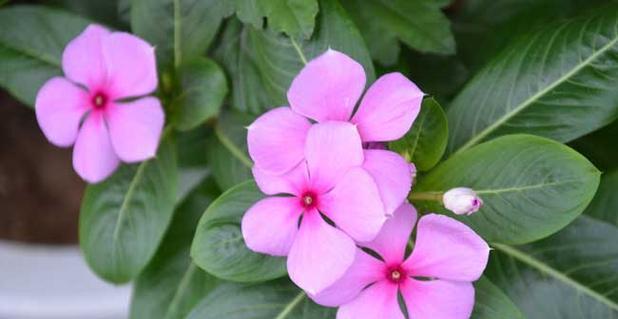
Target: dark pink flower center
{"x":396,"y":274}
{"x":309,"y":200}
{"x":99,"y":100}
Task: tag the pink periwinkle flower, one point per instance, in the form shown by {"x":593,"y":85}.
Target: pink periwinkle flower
{"x":462,"y":201}
{"x":329,"y":183}
{"x":435,"y":280}
{"x":100,"y":106}
{"x":328,"y":89}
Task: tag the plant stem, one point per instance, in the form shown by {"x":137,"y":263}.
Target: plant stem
{"x":426,"y":196}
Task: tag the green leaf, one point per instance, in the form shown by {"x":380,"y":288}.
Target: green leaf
{"x":484,"y":27}
{"x":171,"y":285}
{"x":420,"y":24}
{"x":179,"y":29}
{"x":105,"y":12}
{"x":425,"y":143}
{"x":492,"y":303}
{"x":227,"y":169}
{"x":202,"y":90}
{"x":604,"y":206}
{"x":294,"y":17}
{"x":572,"y":274}
{"x":218,"y":246}
{"x":600,"y":147}
{"x":273,"y":300}
{"x":32,"y":39}
{"x":123,"y":219}
{"x":227,"y":149}
{"x":557,"y":82}
{"x":262,"y":64}
{"x":531,"y":186}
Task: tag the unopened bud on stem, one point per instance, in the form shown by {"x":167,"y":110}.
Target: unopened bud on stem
{"x":462,"y":201}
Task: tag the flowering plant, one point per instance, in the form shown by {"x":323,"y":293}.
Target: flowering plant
{"x":352,"y":159}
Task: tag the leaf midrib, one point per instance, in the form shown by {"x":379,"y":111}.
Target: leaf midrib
{"x":554,"y":273}
{"x":526,"y":187}
{"x":585,"y":63}
{"x":177,"y":33}
{"x":123,"y":211}
{"x":32,"y":55}
{"x":290,"y":306}
{"x":235,"y":150}
{"x":419,"y":30}
{"x":182,"y":286}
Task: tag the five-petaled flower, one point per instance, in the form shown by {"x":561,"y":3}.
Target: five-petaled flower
{"x":327,"y":89}
{"x":101,"y":105}
{"x":329,"y":183}
{"x":435,"y":280}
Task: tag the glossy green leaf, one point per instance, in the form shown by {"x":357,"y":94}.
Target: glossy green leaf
{"x":227,"y":149}
{"x":572,"y":274}
{"x":420,"y":24}
{"x":124,"y":218}
{"x":273,"y":300}
{"x":32,"y":39}
{"x":600,"y":147}
{"x":491,"y":302}
{"x":558,"y":82}
{"x":604,"y":206}
{"x":531,"y":186}
{"x":294,"y":17}
{"x":425,"y":143}
{"x":483,"y":27}
{"x":104,"y":12}
{"x":218,"y":246}
{"x":227,"y":169}
{"x":262,"y":64}
{"x":171,"y":285}
{"x":179,"y":29}
{"x":202,"y":89}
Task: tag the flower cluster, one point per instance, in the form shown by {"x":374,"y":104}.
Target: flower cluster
{"x":101,"y":104}
{"x":333,"y":187}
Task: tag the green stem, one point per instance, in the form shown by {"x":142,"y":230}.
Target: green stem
{"x":426,"y":196}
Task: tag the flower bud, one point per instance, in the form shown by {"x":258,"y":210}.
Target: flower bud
{"x":462,"y":201}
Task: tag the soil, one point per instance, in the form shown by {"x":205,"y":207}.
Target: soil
{"x":39,"y":191}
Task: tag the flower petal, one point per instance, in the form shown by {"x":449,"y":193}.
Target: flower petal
{"x":93,"y":156}
{"x":328,"y":87}
{"x":276,"y":140}
{"x":131,"y":66}
{"x":320,"y":255}
{"x":135,"y":128}
{"x":271,"y":224}
{"x":354,"y":205}
{"x":393,"y":238}
{"x":378,"y":301}
{"x":332,"y":148}
{"x":82,"y":59}
{"x":60,"y":106}
{"x":364,"y":271}
{"x":388,"y":108}
{"x":447,"y":249}
{"x":291,"y":182}
{"x":438,"y":299}
{"x":392,"y":174}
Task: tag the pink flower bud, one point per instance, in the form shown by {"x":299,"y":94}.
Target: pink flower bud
{"x":462,"y":201}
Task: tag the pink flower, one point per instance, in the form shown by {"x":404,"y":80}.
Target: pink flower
{"x":435,"y":280}
{"x":331,"y":183}
{"x":462,"y":201}
{"x":327,"y":89}
{"x":89,"y":108}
